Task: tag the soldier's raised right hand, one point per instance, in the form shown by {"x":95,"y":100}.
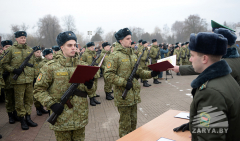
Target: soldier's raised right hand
{"x":17,"y":71}
{"x":57,"y":108}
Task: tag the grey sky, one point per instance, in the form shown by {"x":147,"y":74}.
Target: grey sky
{"x":113,"y":15}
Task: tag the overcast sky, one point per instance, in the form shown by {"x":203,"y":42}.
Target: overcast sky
{"x":113,"y":15}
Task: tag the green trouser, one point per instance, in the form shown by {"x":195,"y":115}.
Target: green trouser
{"x":95,"y":89}
{"x":23,"y":98}
{"x":72,"y":135}
{"x":107,"y":86}
{"x":9,"y":100}
{"x":128,"y":119}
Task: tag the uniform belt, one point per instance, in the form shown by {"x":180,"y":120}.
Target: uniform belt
{"x":80,"y":93}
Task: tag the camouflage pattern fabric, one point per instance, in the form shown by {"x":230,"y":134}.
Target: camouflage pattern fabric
{"x":51,"y":85}
{"x":118,"y":70}
{"x":73,"y":135}
{"x":153,"y":53}
{"x":23,"y":94}
{"x":94,"y":89}
{"x":178,"y":59}
{"x":128,"y":119}
{"x":140,"y":48}
{"x":15,"y":57}
{"x":9,"y":100}
{"x":44,"y":61}
{"x":184,"y":56}
{"x":36,"y":65}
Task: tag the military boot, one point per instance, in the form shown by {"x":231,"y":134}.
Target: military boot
{"x":11,"y":118}
{"x":23,"y":123}
{"x":92,"y":103}
{"x":30,"y":122}
{"x":16,"y":118}
{"x":97,"y":102}
{"x":39,"y":112}
{"x":97,"y":95}
{"x":155,"y":81}
{"x":43,"y":110}
{"x":145,"y":84}
{"x":108,"y":96}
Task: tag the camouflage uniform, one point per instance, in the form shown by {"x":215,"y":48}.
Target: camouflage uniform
{"x":23,"y":86}
{"x":43,"y":62}
{"x":178,"y":54}
{"x":51,"y":85}
{"x":143,"y":63}
{"x":36,"y":73}
{"x":153,"y":54}
{"x":87,"y":57}
{"x":107,"y":85}
{"x":140,"y":48}
{"x":118,"y":70}
{"x":2,"y":83}
{"x":184,"y":52}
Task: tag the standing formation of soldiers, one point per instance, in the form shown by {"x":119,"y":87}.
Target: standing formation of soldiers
{"x":27,"y":78}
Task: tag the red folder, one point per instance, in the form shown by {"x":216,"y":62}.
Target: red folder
{"x":161,"y":66}
{"x":83,"y":74}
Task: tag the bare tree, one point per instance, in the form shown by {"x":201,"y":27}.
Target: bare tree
{"x":166,"y":31}
{"x":69,"y":23}
{"x":108,"y":37}
{"x":99,"y":30}
{"x":49,"y":28}
{"x":24,"y":27}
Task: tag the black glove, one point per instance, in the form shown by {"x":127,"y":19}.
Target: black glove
{"x":30,"y":65}
{"x":129,"y":85}
{"x":57,"y":108}
{"x":17,"y":71}
{"x":89,"y":84}
{"x":155,"y":73}
{"x":183,"y":127}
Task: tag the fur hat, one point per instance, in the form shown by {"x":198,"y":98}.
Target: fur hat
{"x":133,"y":43}
{"x":139,"y":41}
{"x":47,"y":51}
{"x":182,"y":44}
{"x":55,"y":48}
{"x":230,"y":35}
{"x":122,"y":33}
{"x":144,"y":42}
{"x":89,"y":44}
{"x":63,"y":37}
{"x":36,"y":48}
{"x":208,"y":43}
{"x":6,"y":42}
{"x":20,"y":33}
{"x":186,"y":43}
{"x":176,"y":46}
{"x":154,"y":40}
{"x":105,"y":44}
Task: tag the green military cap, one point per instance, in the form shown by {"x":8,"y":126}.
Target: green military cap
{"x":217,"y":25}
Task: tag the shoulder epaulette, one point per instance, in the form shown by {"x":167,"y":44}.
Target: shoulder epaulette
{"x":50,"y":62}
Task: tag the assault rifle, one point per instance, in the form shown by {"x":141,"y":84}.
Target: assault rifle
{"x":24,"y":64}
{"x":133,"y":73}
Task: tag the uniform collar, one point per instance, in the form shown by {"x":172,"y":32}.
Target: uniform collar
{"x":20,"y":46}
{"x":67,"y":61}
{"x":218,"y":69}
{"x":231,"y":53}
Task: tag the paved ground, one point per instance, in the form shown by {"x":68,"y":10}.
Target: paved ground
{"x":103,"y":119}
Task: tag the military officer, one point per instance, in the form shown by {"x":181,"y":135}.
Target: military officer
{"x":144,"y":62}
{"x":8,"y":89}
{"x":38,"y":59}
{"x":215,"y":104}
{"x":118,"y":70}
{"x":51,"y":85}
{"x":55,"y":51}
{"x":155,"y":54}
{"x":87,"y":57}
{"x":23,"y":86}
{"x":107,"y":85}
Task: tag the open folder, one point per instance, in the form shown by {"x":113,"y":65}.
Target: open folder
{"x":83,"y":74}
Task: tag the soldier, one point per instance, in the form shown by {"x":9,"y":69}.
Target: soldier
{"x":52,"y":84}
{"x":23,"y":86}
{"x":107,"y":85}
{"x":177,"y":52}
{"x":1,"y":51}
{"x":155,"y":54}
{"x":88,"y":57}
{"x":38,"y":59}
{"x":188,"y":54}
{"x":140,"y":46}
{"x":118,"y":70}
{"x":215,"y":93}
{"x":8,"y":89}
{"x":184,"y":52}
{"x":55,"y":50}
{"x":144,"y":62}
{"x":133,"y":44}
{"x":163,"y":51}
{"x":48,"y":56}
